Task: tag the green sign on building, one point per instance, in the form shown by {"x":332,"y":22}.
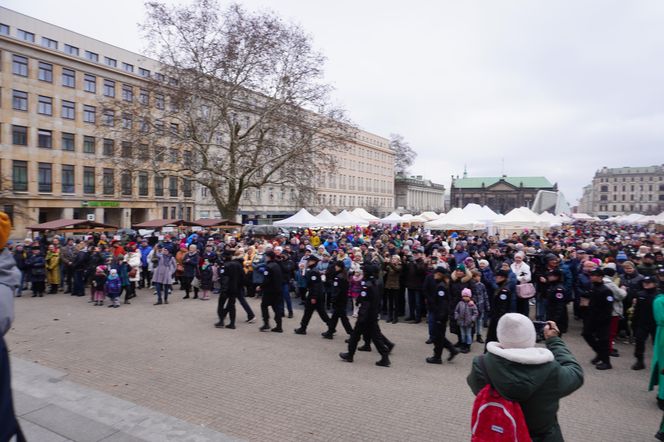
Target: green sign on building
{"x":100,"y":204}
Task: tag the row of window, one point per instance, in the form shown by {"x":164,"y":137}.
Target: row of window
{"x":631,"y":188}
{"x":73,"y":50}
{"x":68,"y":142}
{"x":632,"y":197}
{"x":108,"y":183}
{"x":627,"y":207}
{"x":20,"y":67}
{"x":630,"y":179}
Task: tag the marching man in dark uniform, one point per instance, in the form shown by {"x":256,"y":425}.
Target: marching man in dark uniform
{"x":315,"y":300}
{"x":339,"y":285}
{"x":644,"y":321}
{"x":556,"y":300}
{"x":438,"y":303}
{"x":500,"y":304}
{"x":231,"y":278}
{"x":272,"y":293}
{"x":367,"y":321}
{"x":597,"y":321}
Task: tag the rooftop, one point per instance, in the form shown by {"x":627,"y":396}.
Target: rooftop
{"x":478,"y":182}
{"x":630,"y":170}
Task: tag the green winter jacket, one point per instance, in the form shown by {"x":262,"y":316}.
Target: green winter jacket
{"x":534,"y":377}
{"x":657,"y":363}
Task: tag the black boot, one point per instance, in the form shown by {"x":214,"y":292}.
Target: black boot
{"x":384,"y":361}
{"x":346,"y":357}
{"x":265,"y":327}
{"x":434,"y":360}
{"x":219,"y":324}
{"x":479,"y":339}
{"x":300,"y":331}
{"x":365,"y":347}
{"x":453,"y":353}
{"x":327,"y":335}
{"x":638,"y":365}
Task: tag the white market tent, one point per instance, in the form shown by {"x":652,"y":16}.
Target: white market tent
{"x":392,"y":219}
{"x":345,"y":218}
{"x":363,"y":214}
{"x":410,"y":219}
{"x":475,"y":211}
{"x":520,"y":219}
{"x":455,"y":219}
{"x":301,"y":219}
{"x":582,"y":217}
{"x":327,"y":217}
{"x":429,"y":216}
{"x":551,"y":219}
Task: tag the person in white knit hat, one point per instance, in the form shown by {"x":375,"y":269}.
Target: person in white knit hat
{"x":537,"y":378}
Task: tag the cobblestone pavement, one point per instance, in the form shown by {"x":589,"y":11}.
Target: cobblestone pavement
{"x":268,"y":386}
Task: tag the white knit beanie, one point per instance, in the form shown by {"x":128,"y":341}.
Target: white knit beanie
{"x":516,"y":331}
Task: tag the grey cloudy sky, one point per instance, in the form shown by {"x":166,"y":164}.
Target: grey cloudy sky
{"x":558,"y":88}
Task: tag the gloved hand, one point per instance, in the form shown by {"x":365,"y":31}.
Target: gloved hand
{"x":5,"y":228}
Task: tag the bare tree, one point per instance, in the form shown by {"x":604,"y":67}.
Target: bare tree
{"x":240,"y":98}
{"x":405,"y":155}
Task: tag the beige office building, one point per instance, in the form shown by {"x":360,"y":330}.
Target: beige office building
{"x":53,"y":163}
{"x":624,"y":190}
{"x":415,"y":195}
{"x":364,"y":177}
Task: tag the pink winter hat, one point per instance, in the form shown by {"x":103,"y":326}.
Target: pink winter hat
{"x":467,"y":292}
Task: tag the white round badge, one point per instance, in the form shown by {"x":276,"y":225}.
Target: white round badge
{"x":336,"y":283}
{"x":441,"y":293}
{"x":363,"y":293}
{"x":221,"y":271}
{"x":266,"y":273}
{"x":609,"y":298}
{"x":503,"y":297}
{"x":313,"y":278}
{"x":559,"y":295}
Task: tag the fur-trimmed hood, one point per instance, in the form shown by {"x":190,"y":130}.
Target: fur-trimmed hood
{"x":526,"y":356}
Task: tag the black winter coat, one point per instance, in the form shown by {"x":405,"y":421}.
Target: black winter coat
{"x":272,"y":285}
{"x":438,"y":298}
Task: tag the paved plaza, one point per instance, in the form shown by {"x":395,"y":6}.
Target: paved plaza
{"x":144,"y":372}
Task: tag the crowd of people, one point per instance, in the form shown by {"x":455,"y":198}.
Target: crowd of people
{"x":460,"y":284}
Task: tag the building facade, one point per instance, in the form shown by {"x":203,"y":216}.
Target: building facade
{"x":500,"y":194}
{"x":53,"y":163}
{"x":586,"y":200}
{"x":364,"y":177}
{"x":56,"y":161}
{"x":416,"y":195}
{"x":624,"y":190}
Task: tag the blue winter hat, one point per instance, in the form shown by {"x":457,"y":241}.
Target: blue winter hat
{"x":621,"y":256}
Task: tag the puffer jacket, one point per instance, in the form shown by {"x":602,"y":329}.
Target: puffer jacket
{"x":10,"y":279}
{"x":536,"y":378}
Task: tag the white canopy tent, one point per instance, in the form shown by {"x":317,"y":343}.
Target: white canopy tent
{"x":345,"y":218}
{"x":520,"y":219}
{"x":301,"y":219}
{"x":327,"y":217}
{"x":363,"y":214}
{"x":392,"y":219}
{"x":429,"y":216}
{"x":455,"y":219}
{"x":410,"y":219}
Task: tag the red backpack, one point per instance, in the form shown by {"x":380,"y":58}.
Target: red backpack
{"x":496,"y":419}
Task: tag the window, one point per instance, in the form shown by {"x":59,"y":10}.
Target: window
{"x":186,"y":187}
{"x":111,"y":62}
{"x":45,"y":138}
{"x":158,"y":76}
{"x":20,"y":135}
{"x":143,"y":72}
{"x":127,"y":93}
{"x":159,"y":153}
{"x":126,"y":121}
{"x":4,"y":29}
{"x":71,"y":50}
{"x":125,"y":183}
{"x":144,"y":152}
{"x":144,"y":97}
{"x":172,"y":186}
{"x":68,"y":110}
{"x":88,"y":180}
{"x":142,"y":183}
{"x":20,"y":65}
{"x":175,"y":157}
{"x":45,"y":72}
{"x":67,"y":141}
{"x":109,"y":88}
{"x":172,"y":212}
{"x":108,"y":117}
{"x":126,"y":149}
{"x":20,"y":100}
{"x":88,"y":144}
{"x":89,"y":83}
{"x":25,"y":35}
{"x":68,"y":77}
{"x":159,"y":101}
{"x":164,"y":212}
{"x":20,"y":176}
{"x":45,"y":105}
{"x":128,"y":67}
{"x":108,"y":147}
{"x":49,"y":43}
{"x":159,"y":127}
{"x":89,"y":113}
{"x":143,"y":125}
{"x":92,"y":56}
{"x":108,"y":178}
{"x":158,"y":186}
{"x":67,"y":178}
{"x":175,"y":129}
{"x":186,"y":158}
{"x":45,"y":177}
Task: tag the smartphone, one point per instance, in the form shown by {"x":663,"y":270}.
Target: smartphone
{"x":539,"y":326}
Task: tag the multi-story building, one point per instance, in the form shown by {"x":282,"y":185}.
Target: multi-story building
{"x":501,"y":194}
{"x":620,"y":190}
{"x":586,"y":200}
{"x":416,"y":195}
{"x":364,"y":177}
{"x":56,"y":161}
{"x":53,"y":163}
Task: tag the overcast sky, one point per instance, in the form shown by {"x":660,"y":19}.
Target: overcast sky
{"x":557,"y":88}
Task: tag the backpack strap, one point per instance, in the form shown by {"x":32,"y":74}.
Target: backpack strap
{"x":484,"y":371}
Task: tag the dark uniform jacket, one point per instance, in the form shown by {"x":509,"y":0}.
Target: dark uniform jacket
{"x":438,"y":298}
{"x":272,"y":285}
{"x":314,"y":284}
{"x":234,"y":275}
{"x":643,"y":315}
{"x":600,"y":308}
{"x":339,"y":290}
